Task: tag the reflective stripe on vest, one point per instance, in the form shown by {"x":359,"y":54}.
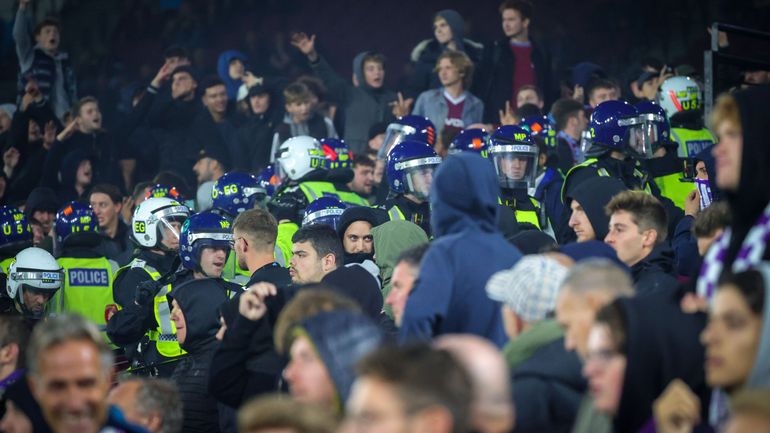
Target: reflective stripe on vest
{"x":691,"y":141}
{"x":5,"y":264}
{"x":164,"y":335}
{"x":395,"y":214}
{"x":591,"y":162}
{"x":315,"y":190}
{"x":87,"y":288}
{"x":673,"y":188}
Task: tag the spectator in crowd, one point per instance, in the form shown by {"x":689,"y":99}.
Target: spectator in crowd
{"x":512,"y":62}
{"x":448,"y":35}
{"x":213,"y":163}
{"x":637,"y":231}
{"x":750,"y":412}
{"x":589,"y":220}
{"x":710,"y":224}
{"x":273,"y":412}
{"x":31,"y":135}
{"x":76,"y":173}
{"x":402,"y":281}
{"x":324,"y":349}
{"x":546,"y":375}
{"x":257,"y":131}
{"x":70,"y":368}
{"x":365,"y":102}
{"x":571,"y":121}
{"x":41,"y":206}
{"x":389,"y":241}
{"x":42,"y":62}
{"x":363,"y":182}
{"x":214,"y":130}
{"x":231,"y":68}
{"x":14,"y":337}
{"x":465,"y":209}
{"x":316,"y":251}
{"x":21,"y":412}
{"x":600,"y":90}
{"x":696,"y":233}
{"x":451,"y":106}
{"x":529,"y":94}
{"x":355,"y":231}
{"x":246,"y":363}
{"x":151,"y":403}
{"x":414,"y":384}
{"x":492,"y":410}
{"x":736,"y":355}
{"x":111,"y":163}
{"x":302,"y":117}
{"x":107,"y":203}
{"x":740,"y":174}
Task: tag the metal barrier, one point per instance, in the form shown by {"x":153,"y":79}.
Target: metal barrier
{"x":713,"y":58}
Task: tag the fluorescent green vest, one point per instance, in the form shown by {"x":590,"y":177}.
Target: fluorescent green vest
{"x":87,"y":288}
{"x":691,"y":141}
{"x":672,"y":187}
{"x":233,"y":272}
{"x":283,"y":242}
{"x":315,"y":190}
{"x":590,"y":162}
{"x":164,"y":335}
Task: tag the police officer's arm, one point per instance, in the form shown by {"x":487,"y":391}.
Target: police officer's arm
{"x":128,"y":325}
{"x":428,"y":302}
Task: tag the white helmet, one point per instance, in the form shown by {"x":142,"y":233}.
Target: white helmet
{"x":678,"y":94}
{"x":299,"y":156}
{"x":153,"y":214}
{"x":36,"y":270}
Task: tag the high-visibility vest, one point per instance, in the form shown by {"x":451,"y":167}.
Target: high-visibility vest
{"x":395,"y":214}
{"x":164,"y":335}
{"x":591,"y":162}
{"x":691,"y":142}
{"x":233,"y":272}
{"x":5,"y":264}
{"x":87,"y":288}
{"x":534,"y":217}
{"x":283,"y":242}
{"x":672,"y":187}
{"x":315,"y":190}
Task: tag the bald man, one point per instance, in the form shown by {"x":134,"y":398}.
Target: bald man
{"x":151,"y":403}
{"x":492,"y":409}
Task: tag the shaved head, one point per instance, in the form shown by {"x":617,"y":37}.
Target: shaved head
{"x":492,"y":408}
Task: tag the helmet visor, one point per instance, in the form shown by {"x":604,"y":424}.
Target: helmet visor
{"x":516,"y":166}
{"x":642,"y":134}
{"x":393,"y":135}
{"x":418,"y":175}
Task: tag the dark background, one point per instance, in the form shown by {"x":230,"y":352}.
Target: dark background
{"x":115,"y":43}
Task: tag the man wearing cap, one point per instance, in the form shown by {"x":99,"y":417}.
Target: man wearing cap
{"x":545,"y":374}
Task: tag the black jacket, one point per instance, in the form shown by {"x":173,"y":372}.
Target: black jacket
{"x":493,"y":83}
{"x":170,"y":122}
{"x":413,"y":212}
{"x":100,"y":147}
{"x":127,"y":327}
{"x":199,"y":301}
{"x":256,"y":135}
{"x":655,"y":273}
{"x":246,"y":363}
{"x":593,"y":194}
{"x":548,"y":389}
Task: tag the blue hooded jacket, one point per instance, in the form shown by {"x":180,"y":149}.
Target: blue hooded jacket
{"x":449,"y":296}
{"x":223,"y":70}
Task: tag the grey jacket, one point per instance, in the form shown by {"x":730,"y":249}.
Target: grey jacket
{"x":432,"y":104}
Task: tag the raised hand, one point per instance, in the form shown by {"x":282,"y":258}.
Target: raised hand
{"x":251,"y":304}
{"x":508,"y":117}
{"x":401,"y":106}
{"x":305,"y":44}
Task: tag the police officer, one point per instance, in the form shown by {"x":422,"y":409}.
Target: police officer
{"x":204,"y":244}
{"x":471,"y":140}
{"x":16,"y":235}
{"x":143,"y":324}
{"x":34,"y":277}
{"x":666,"y":168}
{"x":88,"y":274}
{"x":300,"y":163}
{"x":409,"y":171}
{"x":339,"y":164}
{"x":232,"y":194}
{"x":620,"y":137}
{"x":682,"y":100}
{"x":325,"y":210}
{"x":515,"y":158}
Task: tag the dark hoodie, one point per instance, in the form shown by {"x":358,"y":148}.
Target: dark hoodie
{"x":662,"y":344}
{"x":199,"y":301}
{"x":655,"y":273}
{"x":68,"y":174}
{"x":19,"y":393}
{"x":223,"y":70}
{"x":450,"y":295}
{"x":593,"y":194}
{"x":363,"y":106}
{"x":425,"y":54}
{"x":753,"y":194}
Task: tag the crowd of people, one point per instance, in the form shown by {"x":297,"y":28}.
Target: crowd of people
{"x":485,"y":250}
